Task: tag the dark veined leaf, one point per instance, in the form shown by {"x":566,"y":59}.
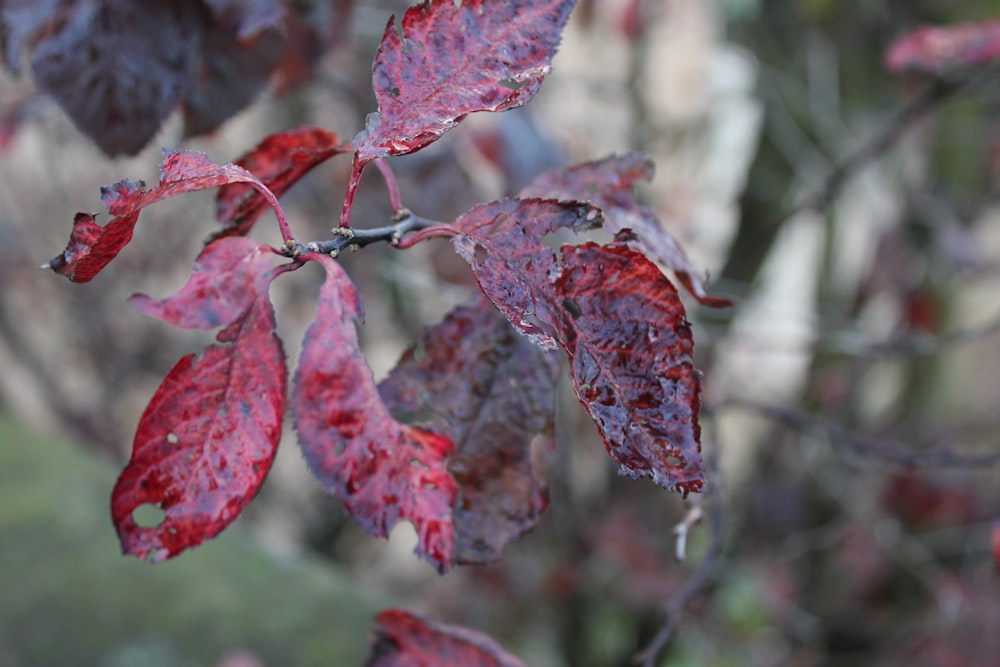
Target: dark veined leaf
{"x":608,"y":184}
{"x":476,"y":380}
{"x":206,"y":440}
{"x":116,"y":67}
{"x":445,"y":60}
{"x":946,"y":49}
{"x":381,"y":470}
{"x":231,"y":71}
{"x":228,"y":276}
{"x":616,"y":315}
{"x":92,"y":247}
{"x":279,"y":161}
{"x":404,"y":639}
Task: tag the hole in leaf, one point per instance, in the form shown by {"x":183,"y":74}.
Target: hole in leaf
{"x":674,"y":461}
{"x":572,"y":307}
{"x":512,"y":84}
{"x":172,"y":438}
{"x":148,"y":515}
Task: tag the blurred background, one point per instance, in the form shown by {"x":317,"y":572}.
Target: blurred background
{"x":851,"y":396}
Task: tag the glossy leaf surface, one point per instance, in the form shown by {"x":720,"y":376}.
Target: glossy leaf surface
{"x":92,"y":247}
{"x":404,"y":639}
{"x":229,"y":275}
{"x":608,"y":184}
{"x":445,"y":60}
{"x":475,"y":379}
{"x":382,"y":471}
{"x":945,"y":49}
{"x":279,"y":161}
{"x":206,"y":440}
{"x":616,"y":315}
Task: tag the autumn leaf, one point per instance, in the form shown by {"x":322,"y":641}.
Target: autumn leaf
{"x":616,"y":315}
{"x":92,"y":247}
{"x":279,"y":161}
{"x":404,"y":639}
{"x":946,"y":49}
{"x":476,"y":380}
{"x":381,"y":470}
{"x":206,"y":440}
{"x":608,"y":184}
{"x":445,"y":60}
{"x":116,"y":67}
{"x":228,"y":277}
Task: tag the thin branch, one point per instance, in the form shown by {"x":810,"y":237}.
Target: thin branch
{"x":936,"y":93}
{"x":345,"y":238}
{"x":861,"y":445}
{"x":712,"y":506}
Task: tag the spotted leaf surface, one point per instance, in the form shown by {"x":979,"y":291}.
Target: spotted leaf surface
{"x":206,"y":440}
{"x":382,"y":471}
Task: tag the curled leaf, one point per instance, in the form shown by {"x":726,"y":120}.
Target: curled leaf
{"x":92,"y":247}
{"x":228,"y":276}
{"x":942,"y":50}
{"x":608,"y":184}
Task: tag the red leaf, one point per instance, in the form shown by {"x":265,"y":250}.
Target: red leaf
{"x":92,"y":247}
{"x":403,"y":639}
{"x":207,"y":439}
{"x":116,"y":67}
{"x":608,"y":184}
{"x":617,"y":316}
{"x":474,"y":379}
{"x":228,"y":277}
{"x":446,"y":60}
{"x":942,"y":50}
{"x":279,"y":161}
{"x":381,"y":470}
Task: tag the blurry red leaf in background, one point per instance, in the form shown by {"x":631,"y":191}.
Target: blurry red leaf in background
{"x":945,"y":49}
{"x":403,"y":639}
{"x":279,"y":161}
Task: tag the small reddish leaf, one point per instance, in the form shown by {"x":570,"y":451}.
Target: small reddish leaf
{"x":446,"y":60}
{"x":404,"y":639}
{"x":616,"y":315}
{"x":228,"y":277}
{"x":116,"y":67}
{"x":207,"y":439}
{"x":608,"y":184}
{"x":946,"y":49}
{"x":381,"y":470}
{"x":474,"y":379}
{"x":92,"y":247}
{"x":279,"y":161}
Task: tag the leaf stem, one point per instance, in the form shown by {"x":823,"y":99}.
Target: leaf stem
{"x":352,"y":189}
{"x":346,"y":237}
{"x":279,"y":213}
{"x":391,"y":184}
